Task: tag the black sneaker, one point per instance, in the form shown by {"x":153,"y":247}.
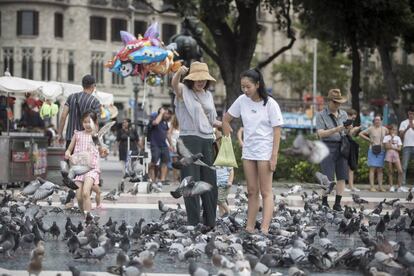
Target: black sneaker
{"x":165,"y":182}
{"x":326,"y":205}
{"x":337,"y":208}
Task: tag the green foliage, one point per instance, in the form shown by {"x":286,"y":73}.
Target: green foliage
{"x":332,"y":71}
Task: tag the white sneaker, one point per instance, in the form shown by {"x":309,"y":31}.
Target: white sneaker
{"x":402,"y":189}
{"x":347,"y":190}
{"x":392,"y":189}
{"x":355,"y":189}
{"x":159,"y":184}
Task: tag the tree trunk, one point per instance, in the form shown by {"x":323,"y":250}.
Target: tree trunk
{"x":390,"y":79}
{"x":356,"y":77}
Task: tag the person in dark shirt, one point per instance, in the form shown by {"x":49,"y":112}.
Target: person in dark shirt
{"x":122,"y":139}
{"x":159,"y":147}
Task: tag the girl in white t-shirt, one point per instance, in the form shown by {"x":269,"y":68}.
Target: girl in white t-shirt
{"x":262,"y":122}
{"x":393,"y":145}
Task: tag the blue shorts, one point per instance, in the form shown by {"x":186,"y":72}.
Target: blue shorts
{"x":162,"y":154}
{"x":335,"y":164}
{"x":376,"y":161}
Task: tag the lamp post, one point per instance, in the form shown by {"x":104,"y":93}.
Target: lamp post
{"x":135,"y":90}
{"x":150,"y":99}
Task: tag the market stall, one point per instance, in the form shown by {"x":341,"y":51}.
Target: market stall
{"x":27,"y":153}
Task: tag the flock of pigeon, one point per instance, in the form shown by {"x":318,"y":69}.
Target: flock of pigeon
{"x":299,"y":242}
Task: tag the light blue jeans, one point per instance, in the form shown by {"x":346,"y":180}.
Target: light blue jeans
{"x":407,"y":153}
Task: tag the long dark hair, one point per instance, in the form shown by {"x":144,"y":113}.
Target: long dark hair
{"x":255,"y":77}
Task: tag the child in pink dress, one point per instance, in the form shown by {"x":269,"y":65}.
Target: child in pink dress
{"x":393,"y":145}
{"x":82,"y":143}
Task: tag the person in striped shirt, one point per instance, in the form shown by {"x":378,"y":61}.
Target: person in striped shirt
{"x":76,"y":105}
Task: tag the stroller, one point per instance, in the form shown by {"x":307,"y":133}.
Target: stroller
{"x":136,"y":171}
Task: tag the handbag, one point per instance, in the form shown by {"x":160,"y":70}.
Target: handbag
{"x":225,"y":156}
{"x":376,"y":149}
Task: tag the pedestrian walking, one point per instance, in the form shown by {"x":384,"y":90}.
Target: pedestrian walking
{"x":331,"y":130}
{"x":197,"y":116}
{"x":82,"y":145}
{"x":127,"y":132}
{"x":393,"y":145}
{"x":262,"y":121}
{"x":174,"y":133}
{"x":76,"y":105}
{"x":352,"y":115}
{"x":376,"y":153}
{"x":160,"y":150}
{"x":407,"y":135}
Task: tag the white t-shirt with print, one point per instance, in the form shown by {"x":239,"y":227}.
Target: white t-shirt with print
{"x":409,"y":135}
{"x":258,"y":122}
{"x":395,"y":141}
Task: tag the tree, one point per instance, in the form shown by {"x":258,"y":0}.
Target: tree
{"x":354,"y":25}
{"x":234,"y":27}
{"x":332,"y":71}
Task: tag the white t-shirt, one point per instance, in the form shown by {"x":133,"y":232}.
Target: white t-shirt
{"x":395,"y":141}
{"x":258,"y":122}
{"x":409,"y":135}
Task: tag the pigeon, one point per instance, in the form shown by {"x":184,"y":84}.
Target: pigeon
{"x":187,"y":158}
{"x":410,"y":195}
{"x":404,"y":256}
{"x":77,"y":272}
{"x":295,"y":271}
{"x":325,"y":183}
{"x":188,"y":187}
{"x":45,"y":190}
{"x":54,"y":230}
{"x":32,"y":187}
{"x":358,"y":200}
{"x":196,"y":270}
{"x":36,"y":258}
{"x":97,"y":137}
{"x":313,"y":151}
{"x":294,"y":190}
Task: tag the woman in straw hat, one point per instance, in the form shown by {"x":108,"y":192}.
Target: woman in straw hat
{"x":196,"y":116}
{"x":262,"y":120}
{"x":330,"y":129}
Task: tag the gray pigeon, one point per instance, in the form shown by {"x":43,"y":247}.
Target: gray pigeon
{"x":188,"y":187}
{"x":45,"y":190}
{"x":325,"y":183}
{"x":313,"y":151}
{"x":32,"y":187}
{"x":187,"y":158}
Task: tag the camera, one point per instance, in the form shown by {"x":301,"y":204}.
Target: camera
{"x":348,"y":123}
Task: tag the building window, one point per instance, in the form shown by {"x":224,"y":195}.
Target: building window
{"x":0,"y":23}
{"x":8,"y":60}
{"x":58,"y":24}
{"x":97,"y":66}
{"x":116,"y":26}
{"x":97,"y":28}
{"x":27,"y":23}
{"x":168,"y":30}
{"x":71,"y":66}
{"x":140,"y":27}
{"x":46,"y":53}
{"x":27,"y":63}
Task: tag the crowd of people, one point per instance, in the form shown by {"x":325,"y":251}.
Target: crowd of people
{"x":195,"y":123}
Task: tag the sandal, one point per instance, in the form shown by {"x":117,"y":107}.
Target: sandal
{"x":372,"y":189}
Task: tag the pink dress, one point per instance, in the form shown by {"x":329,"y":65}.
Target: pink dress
{"x":84,"y":143}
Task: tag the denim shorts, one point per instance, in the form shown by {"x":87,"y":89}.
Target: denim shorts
{"x":335,"y":163}
{"x":162,"y":154}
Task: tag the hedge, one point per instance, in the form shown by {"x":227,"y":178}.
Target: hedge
{"x":295,"y":169}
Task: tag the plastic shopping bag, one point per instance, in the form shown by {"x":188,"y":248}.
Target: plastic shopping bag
{"x":225,"y":156}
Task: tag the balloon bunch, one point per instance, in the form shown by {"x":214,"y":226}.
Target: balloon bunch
{"x":144,"y":55}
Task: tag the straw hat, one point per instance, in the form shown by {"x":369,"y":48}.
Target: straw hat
{"x":199,"y":72}
{"x":335,"y":95}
